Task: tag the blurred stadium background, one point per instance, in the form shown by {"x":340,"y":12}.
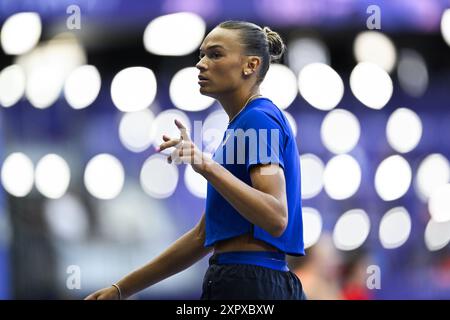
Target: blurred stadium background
{"x":82,"y":190}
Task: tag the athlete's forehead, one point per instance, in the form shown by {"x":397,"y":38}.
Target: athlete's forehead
{"x":221,"y":38}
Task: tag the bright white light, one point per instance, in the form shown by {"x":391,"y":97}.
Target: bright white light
{"x":104,"y":176}
{"x":52,"y":176}
{"x":375,"y":47}
{"x":12,"y":85}
{"x":184,"y":91}
{"x":371,"y":85}
{"x":340,"y":131}
{"x":18,"y":174}
{"x":195,"y":182}
{"x":280,"y":85}
{"x":292,"y":122}
{"x":174,"y":34}
{"x":67,"y":218}
{"x":214,"y":128}
{"x":342,"y":177}
{"x":42,"y":89}
{"x":135,"y":130}
{"x":304,"y":51}
{"x":164,"y":123}
{"x":393,"y":178}
{"x":404,"y":130}
{"x":437,"y":235}
{"x":159,"y":178}
{"x":433,"y":172}
{"x":82,"y":86}
{"x":21,"y":32}
{"x":313,"y":222}
{"x":439,"y":204}
{"x":133,"y":89}
{"x":311,"y":168}
{"x":320,"y":86}
{"x":412,"y":73}
{"x":351,"y":230}
{"x":47,"y":67}
{"x":445,"y":26}
{"x":395,"y":227}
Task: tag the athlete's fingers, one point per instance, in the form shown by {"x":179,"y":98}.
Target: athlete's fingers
{"x":183,"y":130}
{"x":168,"y":144}
{"x":165,"y":138}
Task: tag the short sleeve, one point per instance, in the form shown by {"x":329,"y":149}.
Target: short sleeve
{"x":265,"y":140}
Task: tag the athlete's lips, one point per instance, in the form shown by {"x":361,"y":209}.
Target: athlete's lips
{"x":202,"y":79}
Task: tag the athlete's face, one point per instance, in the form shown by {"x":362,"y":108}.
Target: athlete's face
{"x":221,"y":63}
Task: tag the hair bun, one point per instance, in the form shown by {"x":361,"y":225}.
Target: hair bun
{"x":276,"y":44}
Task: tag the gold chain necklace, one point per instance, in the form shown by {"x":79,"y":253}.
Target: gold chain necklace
{"x":246,"y":103}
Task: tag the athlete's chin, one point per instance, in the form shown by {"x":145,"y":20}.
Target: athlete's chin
{"x":207,"y":92}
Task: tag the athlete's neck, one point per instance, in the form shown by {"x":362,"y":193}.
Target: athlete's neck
{"x":233,"y":104}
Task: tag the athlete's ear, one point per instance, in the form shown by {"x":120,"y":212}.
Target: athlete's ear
{"x":251,"y":65}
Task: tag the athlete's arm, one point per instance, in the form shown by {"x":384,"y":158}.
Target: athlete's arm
{"x":263,"y":204}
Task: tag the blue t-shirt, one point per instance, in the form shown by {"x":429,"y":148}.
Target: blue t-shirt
{"x":259,"y":134}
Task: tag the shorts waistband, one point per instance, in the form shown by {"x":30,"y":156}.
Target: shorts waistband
{"x":272,"y":260}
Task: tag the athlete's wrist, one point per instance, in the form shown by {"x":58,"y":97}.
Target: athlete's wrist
{"x":119,"y":291}
{"x":124,"y":289}
{"x":207,"y":167}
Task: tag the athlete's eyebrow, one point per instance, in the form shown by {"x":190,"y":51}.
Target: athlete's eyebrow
{"x":211,"y":47}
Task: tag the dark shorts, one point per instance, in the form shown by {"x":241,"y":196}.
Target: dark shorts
{"x":225,"y":280}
